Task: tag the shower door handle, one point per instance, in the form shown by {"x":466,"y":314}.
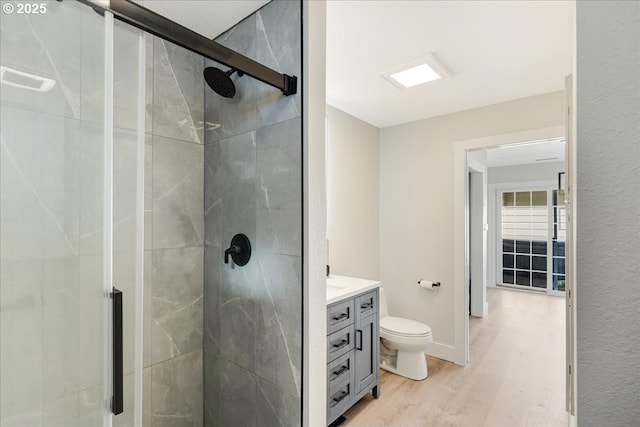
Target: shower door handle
{"x":118,"y":378}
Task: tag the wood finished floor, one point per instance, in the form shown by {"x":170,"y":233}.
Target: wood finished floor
{"x":515,"y":376}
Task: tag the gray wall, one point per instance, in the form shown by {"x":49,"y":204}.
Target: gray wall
{"x":253,"y":166}
{"x":608,"y":212}
{"x":174,"y":236}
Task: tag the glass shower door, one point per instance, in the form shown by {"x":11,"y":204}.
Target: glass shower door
{"x":54,"y":289}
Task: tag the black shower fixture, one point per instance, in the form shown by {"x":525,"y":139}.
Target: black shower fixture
{"x":220,"y":81}
{"x":239,"y":250}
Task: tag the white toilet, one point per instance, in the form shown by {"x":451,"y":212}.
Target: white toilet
{"x":402,"y":344}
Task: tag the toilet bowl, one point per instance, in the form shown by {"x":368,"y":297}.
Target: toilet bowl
{"x":402,"y":344}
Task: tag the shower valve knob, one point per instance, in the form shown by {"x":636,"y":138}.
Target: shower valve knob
{"x":239,"y":250}
{"x":233,"y":250}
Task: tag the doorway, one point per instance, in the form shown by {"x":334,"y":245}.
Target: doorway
{"x":519,"y":183}
{"x":461,"y":221}
{"x":521,"y":213}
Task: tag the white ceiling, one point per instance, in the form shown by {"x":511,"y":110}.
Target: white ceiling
{"x":528,"y":153}
{"x":497,"y":50}
{"x":209,"y":18}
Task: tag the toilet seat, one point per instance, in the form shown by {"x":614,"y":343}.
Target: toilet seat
{"x":400,"y":327}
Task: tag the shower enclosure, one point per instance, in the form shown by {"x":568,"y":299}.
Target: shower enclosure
{"x":122,"y":170}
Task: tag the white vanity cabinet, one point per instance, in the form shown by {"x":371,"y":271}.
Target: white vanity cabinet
{"x":353,"y":349}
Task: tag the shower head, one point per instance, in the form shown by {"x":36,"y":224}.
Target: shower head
{"x":220,"y":81}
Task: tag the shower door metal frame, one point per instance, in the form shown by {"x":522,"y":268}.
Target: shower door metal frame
{"x":153,"y":23}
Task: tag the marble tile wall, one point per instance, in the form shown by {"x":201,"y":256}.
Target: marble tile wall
{"x":253,"y":175}
{"x":174,"y":237}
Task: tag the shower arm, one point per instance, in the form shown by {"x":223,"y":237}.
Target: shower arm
{"x":151,"y":22}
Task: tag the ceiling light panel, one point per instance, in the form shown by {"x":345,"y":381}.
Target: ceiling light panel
{"x":418,"y":72}
{"x":415,"y":76}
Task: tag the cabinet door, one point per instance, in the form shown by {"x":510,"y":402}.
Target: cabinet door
{"x":366,"y":353}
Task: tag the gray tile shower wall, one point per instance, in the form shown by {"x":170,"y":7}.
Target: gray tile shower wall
{"x":174,"y":237}
{"x":178,"y":92}
{"x":252,"y":185}
{"x":178,"y":174}
{"x":176,"y":302}
{"x":176,"y":395}
{"x":279,"y":178}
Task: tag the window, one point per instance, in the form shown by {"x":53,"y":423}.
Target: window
{"x":533,"y":236}
{"x":559,"y":240}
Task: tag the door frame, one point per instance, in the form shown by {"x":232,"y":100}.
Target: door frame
{"x":461,"y":224}
{"x":478,"y":287}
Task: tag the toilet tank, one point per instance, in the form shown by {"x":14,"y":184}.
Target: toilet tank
{"x":384,"y":311}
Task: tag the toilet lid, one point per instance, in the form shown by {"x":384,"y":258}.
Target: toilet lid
{"x":404,"y":327}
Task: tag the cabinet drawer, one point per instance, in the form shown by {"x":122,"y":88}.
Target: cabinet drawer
{"x":339,"y":400}
{"x":366,"y":304}
{"x":339,"y":315}
{"x":341,"y":369}
{"x":339,"y":343}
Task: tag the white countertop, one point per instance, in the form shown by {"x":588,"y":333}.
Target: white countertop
{"x":342,"y":287}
